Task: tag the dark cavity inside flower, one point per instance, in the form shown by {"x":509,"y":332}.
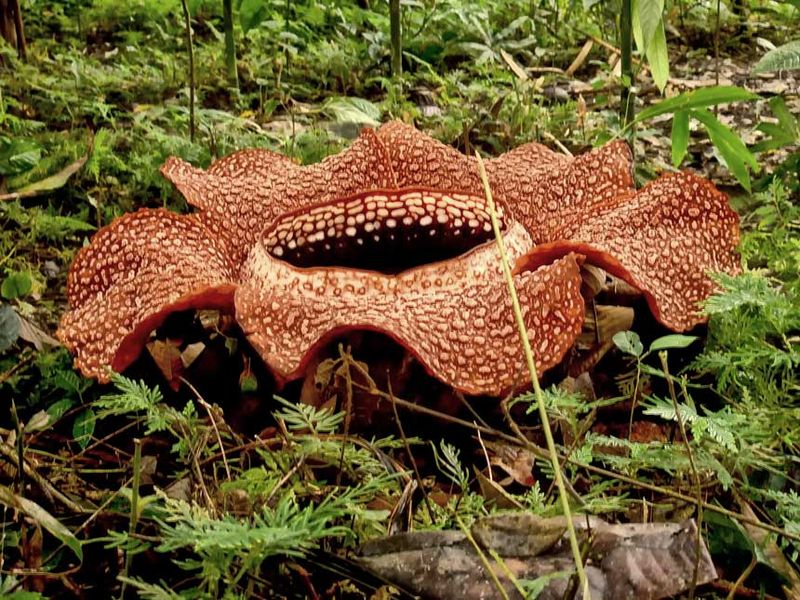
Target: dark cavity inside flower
{"x":383,"y":230}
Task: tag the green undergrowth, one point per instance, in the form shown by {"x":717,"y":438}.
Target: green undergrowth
{"x":164,"y":498}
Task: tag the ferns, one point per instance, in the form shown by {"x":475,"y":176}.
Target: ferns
{"x":717,"y":427}
{"x":226,"y":549}
{"x":753,"y":343}
{"x":300,"y":417}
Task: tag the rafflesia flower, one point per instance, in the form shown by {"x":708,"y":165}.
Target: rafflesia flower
{"x":393,"y":235}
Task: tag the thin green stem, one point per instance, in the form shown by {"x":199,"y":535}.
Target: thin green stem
{"x":695,"y":476}
{"x":528,"y":352}
{"x":486,"y":565}
{"x":134,"y":518}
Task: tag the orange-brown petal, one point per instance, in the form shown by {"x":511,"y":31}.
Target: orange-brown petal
{"x":250,"y":162}
{"x":455,"y":315}
{"x":249,"y":190}
{"x":544,"y":194}
{"x":136,"y":272}
{"x":664,"y":239}
{"x":540,"y":187}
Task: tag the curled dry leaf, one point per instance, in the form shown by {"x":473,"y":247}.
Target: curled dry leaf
{"x":652,"y":560}
{"x":393,"y":235}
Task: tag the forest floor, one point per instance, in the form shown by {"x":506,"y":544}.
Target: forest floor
{"x":218,"y":487}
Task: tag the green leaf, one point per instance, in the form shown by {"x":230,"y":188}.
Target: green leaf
{"x":23,"y":595}
{"x":649,"y":14}
{"x":252,"y":13}
{"x":778,"y":137}
{"x":778,"y":107}
{"x":730,"y":147}
{"x":41,"y":517}
{"x":346,"y":109}
{"x":53,"y":182}
{"x":680,"y":136}
{"x":658,"y":58}
{"x":18,"y":156}
{"x":782,"y":58}
{"x":16,"y":285}
{"x":57,"y":409}
{"x":9,"y":327}
{"x":636,"y":27}
{"x":674,"y":340}
{"x":628,"y":342}
{"x":83,"y":427}
{"x":784,"y":133}
{"x":708,"y":96}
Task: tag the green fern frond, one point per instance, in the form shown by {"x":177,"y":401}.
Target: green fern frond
{"x":304,"y":417}
{"x":133,"y":396}
{"x":448,"y":461}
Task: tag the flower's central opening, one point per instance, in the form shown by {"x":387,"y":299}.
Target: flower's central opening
{"x":387,"y":231}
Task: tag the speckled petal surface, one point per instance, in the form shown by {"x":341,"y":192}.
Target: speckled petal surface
{"x":250,"y":162}
{"x":664,"y":240}
{"x":249,"y":189}
{"x":136,"y":272}
{"x":542,"y":199}
{"x":453,"y":315}
{"x":540,"y":187}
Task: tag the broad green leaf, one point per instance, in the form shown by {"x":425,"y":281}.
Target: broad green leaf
{"x":782,"y":58}
{"x":83,"y":427}
{"x":252,"y":13}
{"x":352,"y":110}
{"x":18,"y":155}
{"x":785,"y":133}
{"x":680,"y":136}
{"x":701,"y":98}
{"x":779,"y":137}
{"x":23,"y":595}
{"x":658,"y":58}
{"x":57,"y":409}
{"x":649,"y":14}
{"x":16,"y":285}
{"x":672,"y":341}
{"x":43,"y":518}
{"x":9,"y":327}
{"x":54,"y":181}
{"x":636,"y":27}
{"x":730,"y":146}
{"x":628,"y":342}
{"x":778,"y":107}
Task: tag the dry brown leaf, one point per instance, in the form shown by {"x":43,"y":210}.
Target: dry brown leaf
{"x":167,"y":356}
{"x":513,"y":65}
{"x":581,"y":58}
{"x":35,"y":335}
